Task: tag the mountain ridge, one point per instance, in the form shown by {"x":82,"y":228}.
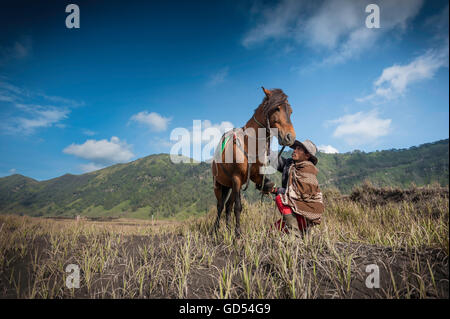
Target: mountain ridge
{"x":154,"y":186}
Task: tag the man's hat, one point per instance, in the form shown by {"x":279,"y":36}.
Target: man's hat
{"x":310,"y":147}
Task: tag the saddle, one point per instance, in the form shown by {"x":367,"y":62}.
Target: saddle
{"x":237,"y":136}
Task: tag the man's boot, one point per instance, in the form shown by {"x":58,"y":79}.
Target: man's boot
{"x":291,"y":223}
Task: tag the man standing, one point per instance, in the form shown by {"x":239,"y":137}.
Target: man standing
{"x":299,"y":199}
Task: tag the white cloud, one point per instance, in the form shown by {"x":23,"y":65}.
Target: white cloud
{"x":153,"y":120}
{"x":102,"y":151}
{"x":89,"y":132}
{"x":38,"y":117}
{"x":357,"y":38}
{"x":202,"y":138}
{"x":338,"y":27}
{"x":222,"y":127}
{"x":12,"y":171}
{"x":15,"y":94}
{"x":210,"y":131}
{"x":218,"y":77}
{"x":361,"y":127}
{"x":275,"y":22}
{"x":357,"y":42}
{"x":395,"y":79}
{"x":90,"y":167}
{"x":439,"y":23}
{"x":32,"y":110}
{"x":327,"y":149}
{"x":5,"y":98}
{"x":61,"y":100}
{"x":332,"y":21}
{"x":18,"y":50}
{"x":161,"y":143}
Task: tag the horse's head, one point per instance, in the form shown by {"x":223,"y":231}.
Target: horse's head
{"x":276,"y":109}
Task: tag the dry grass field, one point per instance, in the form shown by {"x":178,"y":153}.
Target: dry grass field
{"x":404,"y":232}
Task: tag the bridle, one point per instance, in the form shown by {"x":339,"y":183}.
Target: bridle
{"x":267,"y":126}
{"x":267,"y":138}
{"x":267,"y":134}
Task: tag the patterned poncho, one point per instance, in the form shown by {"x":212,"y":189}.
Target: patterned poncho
{"x":303,"y":194}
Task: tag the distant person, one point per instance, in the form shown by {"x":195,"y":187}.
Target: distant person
{"x":299,"y":199}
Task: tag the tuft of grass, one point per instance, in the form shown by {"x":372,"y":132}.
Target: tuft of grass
{"x":404,"y":234}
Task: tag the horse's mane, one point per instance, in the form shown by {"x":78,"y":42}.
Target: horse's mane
{"x":276,"y":98}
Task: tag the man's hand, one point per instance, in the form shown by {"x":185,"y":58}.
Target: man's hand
{"x":278,"y":190}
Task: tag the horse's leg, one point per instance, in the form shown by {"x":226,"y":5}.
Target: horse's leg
{"x":229,"y":206}
{"x":221,"y":193}
{"x":237,"y":213}
{"x":237,"y":183}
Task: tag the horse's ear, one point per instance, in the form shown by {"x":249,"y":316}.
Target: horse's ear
{"x":267,"y":92}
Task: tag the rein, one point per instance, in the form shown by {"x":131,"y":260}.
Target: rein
{"x":254,"y":118}
{"x":267,"y":138}
{"x":267,"y":150}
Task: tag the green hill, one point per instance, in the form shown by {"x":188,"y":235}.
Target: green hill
{"x":155,"y":186}
{"x":419,"y":165}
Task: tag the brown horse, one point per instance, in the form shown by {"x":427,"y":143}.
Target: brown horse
{"x":273,"y":112}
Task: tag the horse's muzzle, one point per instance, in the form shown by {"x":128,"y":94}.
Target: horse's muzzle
{"x":287,"y":140}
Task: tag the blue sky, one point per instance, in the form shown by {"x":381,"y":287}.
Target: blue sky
{"x":75,"y":100}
